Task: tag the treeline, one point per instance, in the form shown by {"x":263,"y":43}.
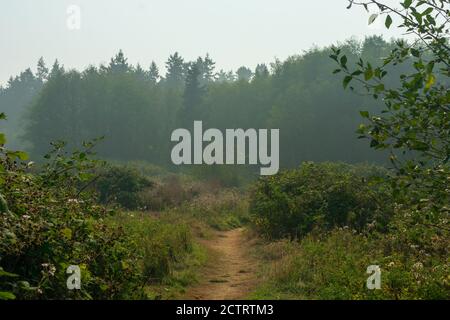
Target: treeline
{"x":136,"y":109}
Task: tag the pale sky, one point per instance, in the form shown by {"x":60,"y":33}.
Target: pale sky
{"x":233,"y":32}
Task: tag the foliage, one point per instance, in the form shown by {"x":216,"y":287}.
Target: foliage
{"x":15,"y":98}
{"x":414,"y":124}
{"x":49,"y":226}
{"x":328,"y":195}
{"x":136,"y":114}
{"x":333,"y":266}
{"x":414,"y":127}
{"x":121,"y":185}
{"x":50,"y":220}
{"x":159,"y":244}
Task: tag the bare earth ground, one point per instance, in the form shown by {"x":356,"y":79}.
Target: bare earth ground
{"x":230,"y":271}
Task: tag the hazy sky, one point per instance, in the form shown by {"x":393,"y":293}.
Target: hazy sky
{"x":233,"y":32}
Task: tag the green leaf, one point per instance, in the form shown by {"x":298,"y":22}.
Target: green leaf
{"x":388,"y":21}
{"x":368,"y":74}
{"x":379,"y":88}
{"x":407,"y":3}
{"x":67,"y":233}
{"x":85,"y":176}
{"x":346,"y":81}
{"x":2,"y":139}
{"x":18,"y":154}
{"x":415,"y":52}
{"x":343,"y":61}
{"x":22,"y":155}
{"x":364,"y":114}
{"x":427,"y":11}
{"x":5,"y":295}
{"x":431,"y":79}
{"x":421,"y":146}
{"x":4,"y":273}
{"x":372,"y":18}
{"x":418,"y":17}
{"x":374,"y":143}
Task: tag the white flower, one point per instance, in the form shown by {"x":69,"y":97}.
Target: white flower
{"x":52,"y":270}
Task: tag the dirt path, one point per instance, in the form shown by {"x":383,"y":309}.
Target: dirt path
{"x":230,"y":272}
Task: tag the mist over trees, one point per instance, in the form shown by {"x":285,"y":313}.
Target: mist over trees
{"x":137,"y":107}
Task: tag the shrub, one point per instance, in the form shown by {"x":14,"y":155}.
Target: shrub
{"x":294,"y":202}
{"x":121,"y":185}
{"x":51,"y":223}
{"x":166,"y":193}
{"x":49,"y":220}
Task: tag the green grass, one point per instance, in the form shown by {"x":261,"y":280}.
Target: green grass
{"x":333,"y":266}
{"x":184,"y":274}
{"x":224,"y":210}
{"x":168,"y":256}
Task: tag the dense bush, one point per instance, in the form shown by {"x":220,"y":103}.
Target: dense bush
{"x":345,"y":223}
{"x":51,"y":224}
{"x":121,"y":185}
{"x":167,"y":192}
{"x":49,"y":221}
{"x":326,"y":195}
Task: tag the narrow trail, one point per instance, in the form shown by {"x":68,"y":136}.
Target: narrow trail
{"x":230,"y":272}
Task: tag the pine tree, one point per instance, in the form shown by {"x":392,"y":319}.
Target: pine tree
{"x":119,"y":63}
{"x":244,"y":74}
{"x":223,"y":76}
{"x":175,"y":75}
{"x":153,"y":73}
{"x":141,"y":73}
{"x":42,"y":70}
{"x":56,"y":69}
{"x":193,"y":93}
{"x":261,"y":71}
{"x":207,"y":69}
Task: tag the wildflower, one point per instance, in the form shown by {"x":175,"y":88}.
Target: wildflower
{"x":52,"y":270}
{"x":418,"y":265}
{"x":49,"y":269}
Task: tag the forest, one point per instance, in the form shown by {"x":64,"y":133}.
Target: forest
{"x":136,"y":109}
{"x":364,"y":174}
